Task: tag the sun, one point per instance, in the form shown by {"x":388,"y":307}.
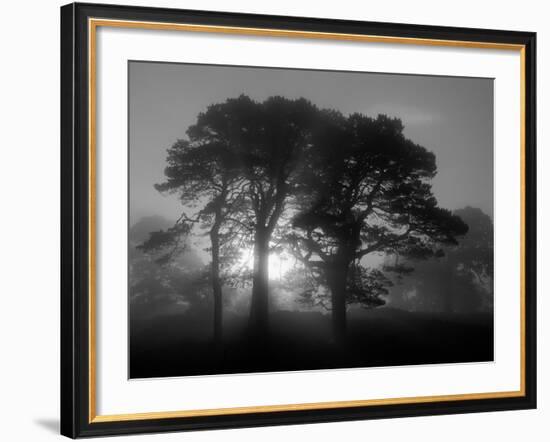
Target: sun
{"x":279,"y":264}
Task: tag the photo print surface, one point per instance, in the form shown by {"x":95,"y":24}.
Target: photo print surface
{"x":287,"y":219}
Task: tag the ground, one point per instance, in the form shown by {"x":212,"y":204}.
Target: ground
{"x":180,"y":344}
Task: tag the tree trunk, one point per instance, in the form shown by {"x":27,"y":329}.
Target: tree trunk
{"x":337,"y":280}
{"x":216,"y":285}
{"x":259,"y":307}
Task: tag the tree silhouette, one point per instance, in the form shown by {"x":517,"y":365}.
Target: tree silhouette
{"x":203,"y":171}
{"x":268,"y":140}
{"x":353,"y":186}
{"x":467,"y":268}
{"x":364,"y":286}
{"x":365,"y":189}
{"x":474,"y":254}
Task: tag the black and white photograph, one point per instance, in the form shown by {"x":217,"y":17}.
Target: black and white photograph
{"x":275,"y":221}
{"x":292,"y":219}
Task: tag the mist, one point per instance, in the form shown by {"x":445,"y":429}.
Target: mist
{"x":294,"y":220}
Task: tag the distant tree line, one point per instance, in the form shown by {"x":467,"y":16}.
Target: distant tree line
{"x":330,"y":189}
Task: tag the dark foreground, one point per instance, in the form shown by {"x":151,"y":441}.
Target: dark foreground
{"x":180,"y":344}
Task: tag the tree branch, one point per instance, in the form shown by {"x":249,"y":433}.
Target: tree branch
{"x":386,"y":242}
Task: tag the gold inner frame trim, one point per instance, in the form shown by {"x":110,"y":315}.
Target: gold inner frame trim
{"x":93,"y":24}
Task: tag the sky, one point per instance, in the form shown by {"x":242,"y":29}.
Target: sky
{"x":450,"y":116}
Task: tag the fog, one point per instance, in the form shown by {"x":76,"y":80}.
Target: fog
{"x":404,"y":298}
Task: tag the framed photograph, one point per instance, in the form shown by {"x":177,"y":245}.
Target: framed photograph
{"x":276,"y":220}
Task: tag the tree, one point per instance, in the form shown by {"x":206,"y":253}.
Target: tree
{"x":203,"y":171}
{"x":459,"y":281}
{"x":364,"y":287}
{"x":155,"y":282}
{"x":474,"y":254}
{"x":268,"y":140}
{"x":365,"y":190}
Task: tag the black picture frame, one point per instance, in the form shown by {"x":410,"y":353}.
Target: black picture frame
{"x":76,"y":402}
